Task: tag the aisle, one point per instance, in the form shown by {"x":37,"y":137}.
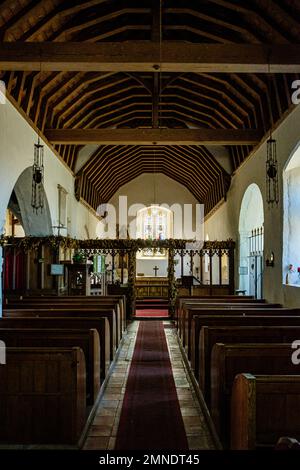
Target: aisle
{"x":150,"y":398}
{"x":123,"y":401}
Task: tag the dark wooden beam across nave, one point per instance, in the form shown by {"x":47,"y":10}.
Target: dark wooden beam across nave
{"x":145,"y":56}
{"x":201,"y":136}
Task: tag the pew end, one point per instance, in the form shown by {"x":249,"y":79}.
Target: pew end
{"x":42,"y":396}
{"x":263,"y":408}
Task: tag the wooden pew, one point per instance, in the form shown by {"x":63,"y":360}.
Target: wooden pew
{"x":87,"y":340}
{"x":42,"y":396}
{"x":183,"y":320}
{"x":235,"y":318}
{"x":188,"y":311}
{"x":227,"y":309}
{"x":70,"y":313}
{"x":183,"y":298}
{"x":180,"y":301}
{"x":78,"y":306}
{"x":120,"y":300}
{"x":82,"y":323}
{"x":228,"y":360}
{"x":263,"y":408}
{"x":209,"y":336}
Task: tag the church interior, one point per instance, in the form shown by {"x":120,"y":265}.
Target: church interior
{"x":149,"y":200}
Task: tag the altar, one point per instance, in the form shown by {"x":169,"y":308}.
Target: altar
{"x":150,"y":286}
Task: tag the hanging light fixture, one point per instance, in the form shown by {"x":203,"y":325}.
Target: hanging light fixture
{"x":271,"y":162}
{"x":37,"y":193}
{"x":272,"y":172}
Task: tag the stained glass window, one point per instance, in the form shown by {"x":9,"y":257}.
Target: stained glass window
{"x":154,"y":223}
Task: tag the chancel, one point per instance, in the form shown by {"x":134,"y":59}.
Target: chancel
{"x":149,"y":208}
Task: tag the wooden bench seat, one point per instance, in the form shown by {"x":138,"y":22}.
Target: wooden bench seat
{"x":264,"y":317}
{"x":228,"y":360}
{"x":235,"y":309}
{"x":100,"y":324}
{"x":209,"y":336}
{"x":264,"y":408}
{"x":42,"y":396}
{"x":76,"y":305}
{"x":209,"y":298}
{"x":200,"y":300}
{"x":70,"y":313}
{"x":183,"y":320}
{"x":91,"y":299}
{"x":87,"y":340}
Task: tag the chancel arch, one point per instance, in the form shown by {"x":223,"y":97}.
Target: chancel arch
{"x":34,"y":223}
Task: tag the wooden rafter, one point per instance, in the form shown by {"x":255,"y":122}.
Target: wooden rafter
{"x":202,"y":85}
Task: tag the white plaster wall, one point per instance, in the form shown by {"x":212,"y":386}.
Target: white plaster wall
{"x":141,"y":190}
{"x":224,"y":222}
{"x":167,"y":191}
{"x":146,"y":267}
{"x":291,"y":252}
{"x":17,"y":139}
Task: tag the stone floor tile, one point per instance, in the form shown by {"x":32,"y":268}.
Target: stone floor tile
{"x":196,"y":442}
{"x":191,"y":411}
{"x":111,"y":443}
{"x":96,"y":443}
{"x":100,"y":430}
{"x":104,"y":420}
{"x":192,"y":430}
{"x":106,"y":403}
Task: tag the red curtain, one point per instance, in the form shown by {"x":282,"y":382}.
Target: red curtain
{"x":20,"y":271}
{"x":8,"y":269}
{"x":8,"y":273}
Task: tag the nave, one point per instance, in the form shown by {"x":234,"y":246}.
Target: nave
{"x":149,"y":226}
{"x":79,"y":374}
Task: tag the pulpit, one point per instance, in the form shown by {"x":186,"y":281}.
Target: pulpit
{"x":78,"y":279}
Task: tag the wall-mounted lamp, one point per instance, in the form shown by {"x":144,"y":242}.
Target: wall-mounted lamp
{"x":270,"y":260}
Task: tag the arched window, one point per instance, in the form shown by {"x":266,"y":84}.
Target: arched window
{"x":154,"y":223}
{"x":291,"y":220}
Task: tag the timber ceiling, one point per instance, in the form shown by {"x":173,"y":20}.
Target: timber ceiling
{"x":99,"y":100}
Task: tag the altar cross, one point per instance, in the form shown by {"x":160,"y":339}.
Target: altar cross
{"x":155,"y":269}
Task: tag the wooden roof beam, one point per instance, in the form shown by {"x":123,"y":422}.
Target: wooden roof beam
{"x":140,"y":56}
{"x":150,"y":136}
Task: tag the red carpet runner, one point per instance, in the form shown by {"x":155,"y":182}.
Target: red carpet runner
{"x":151,"y":312}
{"x":150,"y":417}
